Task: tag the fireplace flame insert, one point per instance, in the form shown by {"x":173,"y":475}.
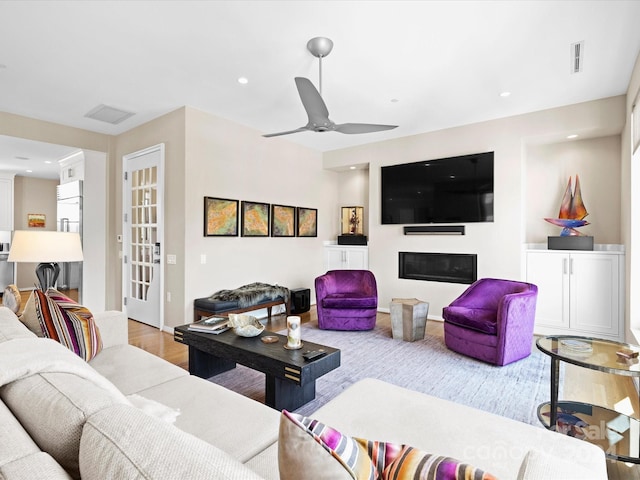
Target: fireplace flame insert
{"x":438,"y":267}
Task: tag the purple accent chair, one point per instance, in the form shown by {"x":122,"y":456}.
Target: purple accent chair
{"x":346,"y":300}
{"x":492,"y":321}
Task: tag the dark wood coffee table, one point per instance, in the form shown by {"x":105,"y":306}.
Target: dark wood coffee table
{"x":290,"y":379}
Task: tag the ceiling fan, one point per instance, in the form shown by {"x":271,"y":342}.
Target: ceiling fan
{"x":316,"y":109}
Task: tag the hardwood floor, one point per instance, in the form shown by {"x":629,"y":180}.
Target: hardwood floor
{"x":611,"y":391}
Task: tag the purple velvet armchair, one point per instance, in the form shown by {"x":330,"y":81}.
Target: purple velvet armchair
{"x":346,"y":300}
{"x":492,"y":321}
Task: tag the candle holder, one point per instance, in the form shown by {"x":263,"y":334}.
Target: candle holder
{"x":293,"y":333}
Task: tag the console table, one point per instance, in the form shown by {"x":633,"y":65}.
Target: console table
{"x":617,"y":434}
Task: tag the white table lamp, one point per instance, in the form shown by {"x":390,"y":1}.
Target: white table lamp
{"x":46,"y":248}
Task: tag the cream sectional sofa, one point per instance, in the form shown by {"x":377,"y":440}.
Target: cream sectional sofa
{"x":60,"y":418}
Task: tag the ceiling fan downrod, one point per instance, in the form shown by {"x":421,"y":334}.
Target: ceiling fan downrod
{"x":320,"y":47}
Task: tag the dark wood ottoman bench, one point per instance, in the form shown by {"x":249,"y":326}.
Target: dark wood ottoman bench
{"x":250,"y":297}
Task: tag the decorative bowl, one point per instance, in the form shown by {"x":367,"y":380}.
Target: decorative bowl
{"x":245,"y":325}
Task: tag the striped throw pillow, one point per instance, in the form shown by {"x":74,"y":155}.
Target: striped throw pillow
{"x":67,"y":322}
{"x":364,"y":459}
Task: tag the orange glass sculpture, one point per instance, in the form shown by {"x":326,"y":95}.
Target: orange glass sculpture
{"x":572,"y":211}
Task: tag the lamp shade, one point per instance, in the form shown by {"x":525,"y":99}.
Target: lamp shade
{"x":45,"y":246}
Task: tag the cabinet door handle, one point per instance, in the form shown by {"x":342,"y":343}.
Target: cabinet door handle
{"x":564,"y":266}
{"x":571,"y":266}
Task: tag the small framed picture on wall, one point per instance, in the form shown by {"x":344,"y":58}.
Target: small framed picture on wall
{"x":307,"y":220}
{"x":283,"y":221}
{"x":220,"y":217}
{"x":255,"y":219}
{"x":36,"y":220}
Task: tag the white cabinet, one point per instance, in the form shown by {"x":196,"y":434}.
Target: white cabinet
{"x":72,"y":168}
{"x":345,"y":257}
{"x":579,"y":292}
{"x":6,"y":202}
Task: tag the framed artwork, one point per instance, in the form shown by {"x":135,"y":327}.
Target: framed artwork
{"x":220,"y":217}
{"x":255,"y":219}
{"x":307,"y":222}
{"x":283,"y":221}
{"x":36,"y":220}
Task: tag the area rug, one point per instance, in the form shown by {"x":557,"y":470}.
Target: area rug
{"x":426,"y":366}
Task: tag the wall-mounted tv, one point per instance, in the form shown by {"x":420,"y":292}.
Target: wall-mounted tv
{"x":444,"y":190}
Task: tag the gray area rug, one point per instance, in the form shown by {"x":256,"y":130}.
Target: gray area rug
{"x":426,"y":366}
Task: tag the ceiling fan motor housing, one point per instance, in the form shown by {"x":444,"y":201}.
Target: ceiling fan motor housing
{"x":320,"y":46}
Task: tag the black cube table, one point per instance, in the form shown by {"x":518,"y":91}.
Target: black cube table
{"x":290,"y":379}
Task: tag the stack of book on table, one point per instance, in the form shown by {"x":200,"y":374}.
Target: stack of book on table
{"x":211,"y":325}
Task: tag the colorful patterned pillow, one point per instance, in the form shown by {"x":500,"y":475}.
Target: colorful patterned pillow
{"x":63,"y":320}
{"x":359,"y":458}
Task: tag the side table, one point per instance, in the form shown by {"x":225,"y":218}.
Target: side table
{"x":617,"y":434}
{"x":408,"y":318}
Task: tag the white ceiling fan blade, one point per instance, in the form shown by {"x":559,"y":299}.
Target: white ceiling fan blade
{"x":301,"y":129}
{"x":354,"y":128}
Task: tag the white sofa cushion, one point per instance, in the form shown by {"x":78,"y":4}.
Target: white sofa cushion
{"x":14,"y":441}
{"x":132,"y":369}
{"x":123,"y":442}
{"x":240,"y":426}
{"x":265,"y":463}
{"x":51,"y":391}
{"x":114,"y":327}
{"x":11,"y":328}
{"x":376,"y":409}
{"x":539,"y":465}
{"x":37,"y":466}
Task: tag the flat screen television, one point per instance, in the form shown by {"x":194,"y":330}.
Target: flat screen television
{"x":444,"y":190}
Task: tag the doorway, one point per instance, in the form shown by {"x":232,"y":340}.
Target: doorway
{"x":143,"y":235}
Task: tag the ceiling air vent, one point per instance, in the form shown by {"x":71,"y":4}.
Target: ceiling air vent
{"x":105,"y":113}
{"x":577,"y":56}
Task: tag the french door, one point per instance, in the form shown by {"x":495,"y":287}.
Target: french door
{"x":142,"y":269}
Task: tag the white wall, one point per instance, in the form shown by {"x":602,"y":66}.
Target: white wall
{"x":353,"y":191}
{"x":548,"y":168}
{"x":32,"y":195}
{"x":94,"y":230}
{"x":498,"y":244}
{"x":630,"y":211}
{"x":226,"y":160}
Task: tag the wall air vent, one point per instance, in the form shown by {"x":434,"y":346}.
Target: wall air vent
{"x":577,"y":56}
{"x":105,"y":113}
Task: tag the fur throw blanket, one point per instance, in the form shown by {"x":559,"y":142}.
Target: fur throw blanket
{"x":251,"y":294}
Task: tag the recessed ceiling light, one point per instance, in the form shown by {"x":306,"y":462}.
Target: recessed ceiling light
{"x":574,"y":135}
{"x":243,"y":80}
{"x":47,"y":161}
{"x":29,"y":171}
{"x":352,"y":168}
{"x":505,"y":94}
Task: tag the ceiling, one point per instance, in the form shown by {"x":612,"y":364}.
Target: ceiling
{"x":422,"y":65}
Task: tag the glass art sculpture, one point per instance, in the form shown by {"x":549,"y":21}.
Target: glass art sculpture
{"x":572,"y":211}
